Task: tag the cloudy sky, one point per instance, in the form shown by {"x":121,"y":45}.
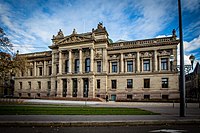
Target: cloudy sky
{"x":30,"y":24}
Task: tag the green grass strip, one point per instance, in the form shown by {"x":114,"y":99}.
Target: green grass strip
{"x":56,"y":110}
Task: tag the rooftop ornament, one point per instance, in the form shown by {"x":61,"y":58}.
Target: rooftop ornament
{"x":192,"y":58}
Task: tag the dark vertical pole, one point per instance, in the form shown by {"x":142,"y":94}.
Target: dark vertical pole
{"x":182,"y":73}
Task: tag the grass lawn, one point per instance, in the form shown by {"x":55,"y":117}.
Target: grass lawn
{"x":62,"y":110}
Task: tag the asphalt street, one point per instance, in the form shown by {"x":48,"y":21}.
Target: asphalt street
{"x":110,"y":129}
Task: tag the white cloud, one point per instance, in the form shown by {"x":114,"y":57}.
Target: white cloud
{"x":27,"y":48}
{"x":191,"y":5}
{"x":192,"y":45}
{"x":188,"y":50}
{"x":127,"y":20}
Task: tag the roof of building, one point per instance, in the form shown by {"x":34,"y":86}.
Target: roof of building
{"x":197,"y":68}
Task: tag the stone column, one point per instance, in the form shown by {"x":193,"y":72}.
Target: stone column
{"x":45,"y":68}
{"x":155,"y":61}
{"x":52,"y":91}
{"x":35,"y":68}
{"x":138,"y":62}
{"x":91,"y":59}
{"x":60,"y":62}
{"x":70,"y":61}
{"x":105,"y":61}
{"x":159,"y":64}
{"x":175,"y":58}
{"x":52,"y":64}
{"x":80,"y":61}
{"x":122,"y":63}
{"x":125,"y":66}
{"x":110,"y":67}
{"x":142,"y":65}
{"x":59,"y":87}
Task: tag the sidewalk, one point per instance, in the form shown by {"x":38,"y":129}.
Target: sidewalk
{"x":169,"y":115}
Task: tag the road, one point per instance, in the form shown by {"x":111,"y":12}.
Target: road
{"x":123,"y":129}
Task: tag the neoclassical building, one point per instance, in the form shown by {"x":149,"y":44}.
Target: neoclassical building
{"x":91,"y":65}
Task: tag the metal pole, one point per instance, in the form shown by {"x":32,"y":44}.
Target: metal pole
{"x":182,"y":73}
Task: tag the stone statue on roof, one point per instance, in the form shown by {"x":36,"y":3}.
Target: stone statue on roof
{"x":100,"y":25}
{"x":59,"y":35}
{"x":174,"y":34}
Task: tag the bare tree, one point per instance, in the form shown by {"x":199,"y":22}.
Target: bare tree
{"x":10,"y":64}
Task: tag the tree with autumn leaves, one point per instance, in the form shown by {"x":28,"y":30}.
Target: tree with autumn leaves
{"x":10,"y":65}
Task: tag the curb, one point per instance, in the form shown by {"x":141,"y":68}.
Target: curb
{"x":96,"y":123}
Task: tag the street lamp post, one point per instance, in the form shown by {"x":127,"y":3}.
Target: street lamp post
{"x":171,"y":59}
{"x":182,"y":73}
{"x":192,"y":58}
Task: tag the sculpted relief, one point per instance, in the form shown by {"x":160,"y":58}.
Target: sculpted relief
{"x":73,"y":38}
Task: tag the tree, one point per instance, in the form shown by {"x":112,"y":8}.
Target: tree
{"x":10,"y":64}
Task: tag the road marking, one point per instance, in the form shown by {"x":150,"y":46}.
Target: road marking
{"x":168,"y":131}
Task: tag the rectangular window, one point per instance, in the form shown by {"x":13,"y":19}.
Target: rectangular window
{"x":56,"y":85}
{"x":29,"y":85}
{"x":22,"y":73}
{"x":146,"y":83}
{"x":31,"y":71}
{"x":129,"y":66}
{"x":98,"y":66}
{"x":87,"y":65}
{"x":114,"y":84}
{"x":165,"y":83}
{"x":49,"y":85}
{"x":146,"y":65}
{"x":64,"y":87}
{"x":66,"y":66}
{"x":98,"y":83}
{"x":57,"y":69}
{"x":40,"y":71}
{"x":129,"y":83}
{"x":50,"y":70}
{"x":147,"y":97}
{"x":20,"y":85}
{"x":114,"y":67}
{"x":165,"y":97}
{"x":39,"y":85}
{"x":129,"y":97}
{"x":76,"y":67}
{"x":164,"y":64}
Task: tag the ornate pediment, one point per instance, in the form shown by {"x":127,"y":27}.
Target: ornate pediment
{"x":146,"y":54}
{"x":164,"y":53}
{"x":74,"y":38}
{"x":130,"y":55}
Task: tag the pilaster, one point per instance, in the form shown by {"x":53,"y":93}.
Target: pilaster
{"x":69,"y":87}
{"x":60,"y":62}
{"x":155,"y":61}
{"x":122,"y":63}
{"x":105,"y":60}
{"x":45,"y":68}
{"x":91,"y":59}
{"x":80,"y":61}
{"x":35,"y":68}
{"x":138,"y":62}
{"x":70,"y":61}
{"x":80,"y":88}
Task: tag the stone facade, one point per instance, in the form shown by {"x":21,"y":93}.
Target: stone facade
{"x":90,"y":65}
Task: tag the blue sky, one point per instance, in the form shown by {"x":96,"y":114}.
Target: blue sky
{"x":30,"y":24}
